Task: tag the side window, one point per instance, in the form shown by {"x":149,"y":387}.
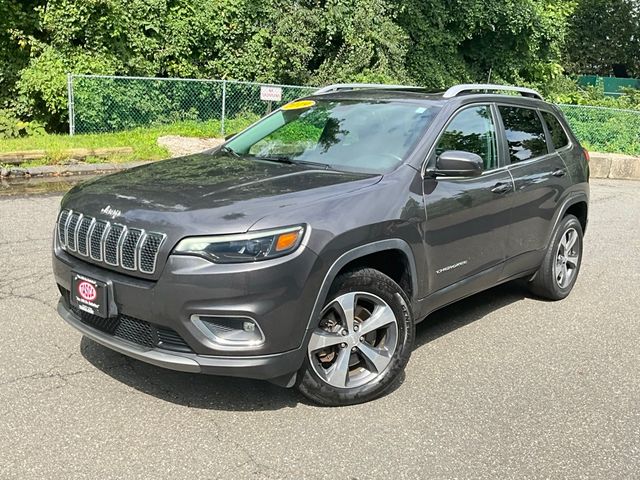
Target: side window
{"x":472,"y":130}
{"x":558,"y":136}
{"x":525,"y":134}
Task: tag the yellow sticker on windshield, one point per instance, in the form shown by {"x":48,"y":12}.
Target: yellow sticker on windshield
{"x":299,"y":104}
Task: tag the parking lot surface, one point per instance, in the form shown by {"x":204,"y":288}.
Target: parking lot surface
{"x":501,"y":385}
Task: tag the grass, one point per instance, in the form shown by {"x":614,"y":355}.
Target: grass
{"x":142,"y":140}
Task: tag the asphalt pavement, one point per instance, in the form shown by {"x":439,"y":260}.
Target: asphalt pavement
{"x":500,"y":385}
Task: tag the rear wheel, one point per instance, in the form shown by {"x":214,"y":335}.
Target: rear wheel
{"x":559,"y":270}
{"x":362,"y":343}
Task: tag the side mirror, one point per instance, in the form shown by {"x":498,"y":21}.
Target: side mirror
{"x":456,"y":163}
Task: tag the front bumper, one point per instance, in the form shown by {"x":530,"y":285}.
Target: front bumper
{"x":278,"y":294}
{"x":261,"y":367}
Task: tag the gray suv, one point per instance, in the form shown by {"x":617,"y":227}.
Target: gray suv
{"x":306,"y":248}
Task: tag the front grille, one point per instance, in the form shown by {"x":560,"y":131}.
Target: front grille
{"x":170,"y":340}
{"x":110,"y":243}
{"x":135,"y":330}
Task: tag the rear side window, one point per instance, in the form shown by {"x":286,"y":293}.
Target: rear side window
{"x":472,"y":130}
{"x":558,"y":137}
{"x":525,"y":134}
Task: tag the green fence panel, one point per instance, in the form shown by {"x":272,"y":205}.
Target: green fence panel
{"x":607,"y":130}
{"x":108,"y":104}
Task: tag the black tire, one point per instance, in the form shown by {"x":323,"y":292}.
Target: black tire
{"x":545,"y":283}
{"x":371,"y":285}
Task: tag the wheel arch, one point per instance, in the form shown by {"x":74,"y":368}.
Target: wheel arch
{"x":580,"y":210}
{"x":358,"y":256}
{"x":578,"y":205}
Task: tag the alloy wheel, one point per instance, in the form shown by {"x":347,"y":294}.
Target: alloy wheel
{"x":355,"y":340}
{"x":567,"y":257}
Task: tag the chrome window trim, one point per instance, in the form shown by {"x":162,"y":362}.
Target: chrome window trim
{"x":569,"y":145}
{"x":538,"y":110}
{"x":479,"y":103}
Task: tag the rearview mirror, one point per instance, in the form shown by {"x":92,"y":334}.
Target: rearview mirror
{"x":456,"y":163}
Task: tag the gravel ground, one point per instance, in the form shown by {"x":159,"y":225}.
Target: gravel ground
{"x":180,"y":146}
{"x":500,"y":385}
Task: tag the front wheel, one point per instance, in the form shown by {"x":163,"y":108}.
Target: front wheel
{"x":559,"y":270}
{"x":362,"y":342}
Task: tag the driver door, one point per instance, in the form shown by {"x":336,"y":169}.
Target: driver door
{"x":468,"y":217}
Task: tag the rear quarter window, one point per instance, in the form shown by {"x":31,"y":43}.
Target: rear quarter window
{"x":524,"y":132}
{"x":559,"y":138}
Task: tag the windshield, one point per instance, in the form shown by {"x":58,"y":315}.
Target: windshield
{"x":360,"y":136}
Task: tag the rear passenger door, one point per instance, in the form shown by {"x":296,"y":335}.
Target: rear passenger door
{"x":540,"y":177}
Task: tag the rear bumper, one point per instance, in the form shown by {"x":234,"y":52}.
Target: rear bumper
{"x":264,"y":367}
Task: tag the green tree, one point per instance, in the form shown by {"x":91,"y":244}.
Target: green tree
{"x":513,"y":41}
{"x":604,"y":38}
{"x":17,"y":19}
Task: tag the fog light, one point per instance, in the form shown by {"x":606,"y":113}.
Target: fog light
{"x":230,"y":333}
{"x":249,"y":327}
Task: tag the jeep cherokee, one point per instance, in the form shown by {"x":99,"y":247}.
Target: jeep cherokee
{"x":305,"y":249}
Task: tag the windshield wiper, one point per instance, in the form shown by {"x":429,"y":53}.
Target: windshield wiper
{"x":289,"y":161}
{"x":325,"y":166}
{"x":230,"y":151}
{"x":275,"y":158}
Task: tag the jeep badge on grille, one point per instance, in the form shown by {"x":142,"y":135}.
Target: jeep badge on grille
{"x":111,"y":212}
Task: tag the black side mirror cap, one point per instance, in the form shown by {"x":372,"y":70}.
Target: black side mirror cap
{"x":456,"y":163}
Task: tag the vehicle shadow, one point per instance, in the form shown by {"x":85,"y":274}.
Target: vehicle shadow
{"x":238,"y":394}
{"x":189,"y":389}
{"x":468,"y":310}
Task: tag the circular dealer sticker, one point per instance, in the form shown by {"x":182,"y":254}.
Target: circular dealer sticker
{"x":87,"y":291}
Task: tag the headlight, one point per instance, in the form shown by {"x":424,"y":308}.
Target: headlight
{"x":248,"y":247}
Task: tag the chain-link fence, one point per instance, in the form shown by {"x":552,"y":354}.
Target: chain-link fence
{"x":603,"y":129}
{"x":107,"y":104}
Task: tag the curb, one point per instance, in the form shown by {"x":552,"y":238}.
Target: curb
{"x":610,"y":165}
{"x":67,"y":170}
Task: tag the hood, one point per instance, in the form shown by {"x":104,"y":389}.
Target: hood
{"x":207,"y":194}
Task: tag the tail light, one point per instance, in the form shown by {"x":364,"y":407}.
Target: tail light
{"x":586,"y":155}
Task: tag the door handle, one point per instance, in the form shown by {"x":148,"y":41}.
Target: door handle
{"x":559,"y":172}
{"x":501,"y":187}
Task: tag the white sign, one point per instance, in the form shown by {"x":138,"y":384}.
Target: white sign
{"x":271,"y":94}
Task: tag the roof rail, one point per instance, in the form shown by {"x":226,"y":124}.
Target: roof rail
{"x":360,"y":86}
{"x":470,"y":87}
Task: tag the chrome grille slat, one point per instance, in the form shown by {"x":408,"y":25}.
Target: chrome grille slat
{"x":148,"y":251}
{"x":72,"y":226}
{"x":109,"y":243}
{"x":62,"y":227}
{"x":84,"y":226}
{"x":129,"y":249}
{"x":97,"y":238}
{"x":112,"y":243}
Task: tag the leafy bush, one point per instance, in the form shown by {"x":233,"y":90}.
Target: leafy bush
{"x":12,"y":127}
